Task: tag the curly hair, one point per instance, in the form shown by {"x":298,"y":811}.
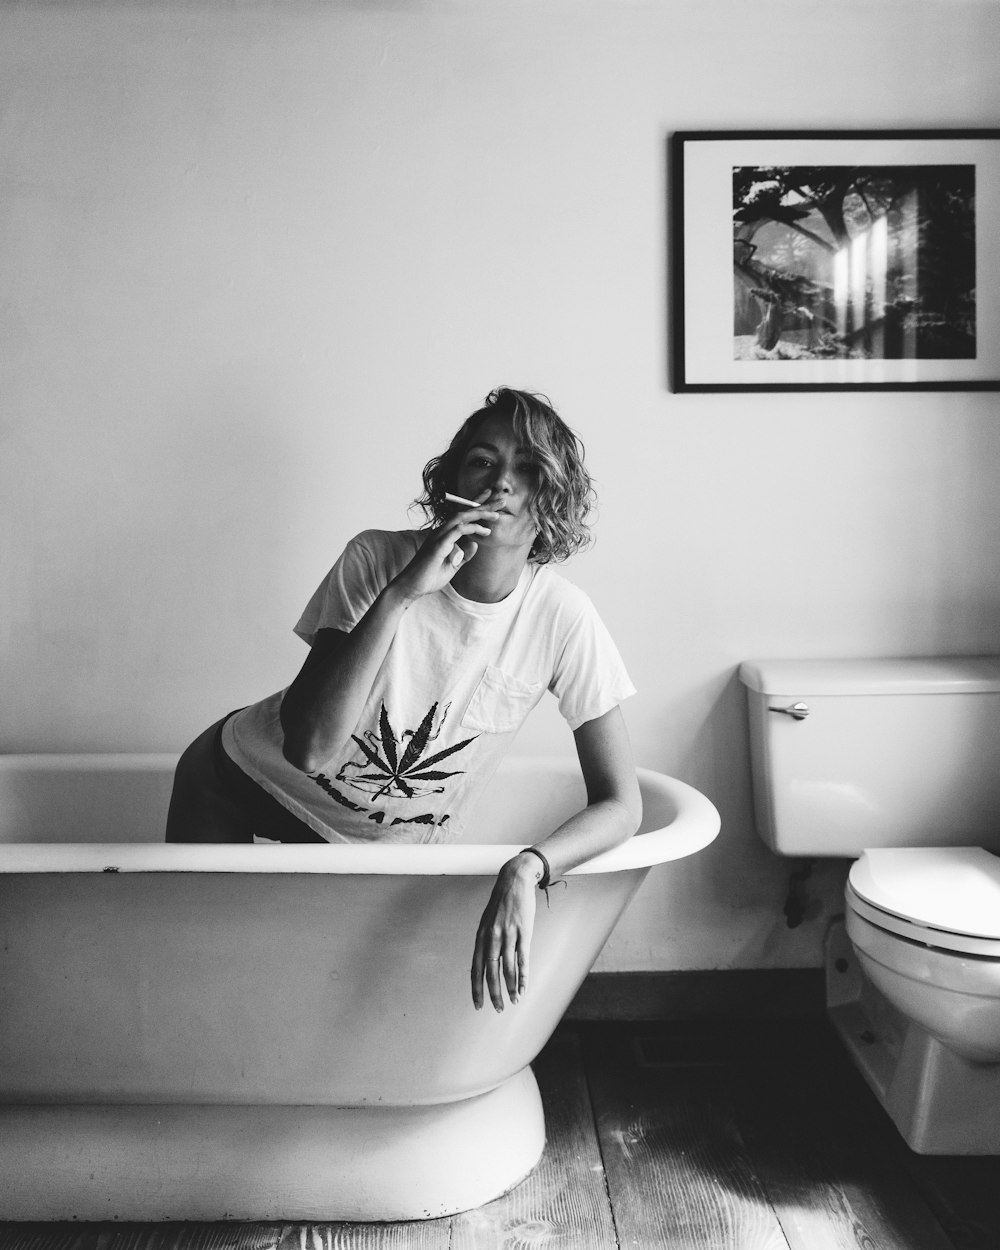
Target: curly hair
{"x":564,"y":499}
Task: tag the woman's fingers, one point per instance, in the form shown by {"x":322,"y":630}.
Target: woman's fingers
{"x":508,"y":971}
{"x":454,"y":530}
{"x":493,"y":982}
{"x":442,"y":554}
{"x":502,"y":973}
{"x":503,"y":939}
{"x":508,"y":966}
{"x":456,"y":544}
{"x":478,"y":969}
{"x":497,"y":972}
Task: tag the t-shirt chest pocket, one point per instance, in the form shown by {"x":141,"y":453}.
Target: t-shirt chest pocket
{"x":500,"y":702}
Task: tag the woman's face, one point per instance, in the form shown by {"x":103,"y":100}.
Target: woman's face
{"x":495,"y":461}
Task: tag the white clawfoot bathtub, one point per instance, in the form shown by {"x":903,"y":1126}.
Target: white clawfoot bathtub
{"x":277,"y":1032}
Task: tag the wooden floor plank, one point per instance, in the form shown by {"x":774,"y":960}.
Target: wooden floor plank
{"x":49,"y":1236}
{"x":419,"y":1234}
{"x":564,"y":1201}
{"x":678,"y":1173}
{"x":190,"y":1236}
{"x":127,"y":1236}
{"x":831,"y":1161}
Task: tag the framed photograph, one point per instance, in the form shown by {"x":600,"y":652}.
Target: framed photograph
{"x":836,"y":260}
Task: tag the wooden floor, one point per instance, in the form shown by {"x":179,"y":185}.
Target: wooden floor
{"x":717,"y":1137}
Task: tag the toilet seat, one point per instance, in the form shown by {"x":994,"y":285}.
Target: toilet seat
{"x":945,"y":897}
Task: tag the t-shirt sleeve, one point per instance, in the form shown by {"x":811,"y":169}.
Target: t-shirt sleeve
{"x":346,"y":593}
{"x":590,"y":677}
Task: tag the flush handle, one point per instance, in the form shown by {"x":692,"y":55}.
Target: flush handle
{"x":798,"y":711}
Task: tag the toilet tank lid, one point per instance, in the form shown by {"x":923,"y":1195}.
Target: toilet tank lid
{"x":969,"y":674}
{"x":954,"y":888}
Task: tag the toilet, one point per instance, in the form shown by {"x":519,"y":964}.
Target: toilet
{"x":895,"y":764}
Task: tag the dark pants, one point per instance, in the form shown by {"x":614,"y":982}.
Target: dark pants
{"x":214,"y":800}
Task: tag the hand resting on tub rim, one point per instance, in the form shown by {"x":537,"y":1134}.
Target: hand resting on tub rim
{"x":427,"y":650}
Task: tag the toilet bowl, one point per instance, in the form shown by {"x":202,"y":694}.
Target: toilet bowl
{"x":916,"y":1003}
{"x":878,"y":760}
{"x":925,"y":924}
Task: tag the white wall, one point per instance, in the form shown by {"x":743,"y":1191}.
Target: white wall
{"x":258,"y":259}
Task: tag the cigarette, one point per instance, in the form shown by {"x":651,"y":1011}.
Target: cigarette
{"x":465,"y":503}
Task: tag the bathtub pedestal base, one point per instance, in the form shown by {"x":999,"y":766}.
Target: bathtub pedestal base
{"x":177,"y":1162}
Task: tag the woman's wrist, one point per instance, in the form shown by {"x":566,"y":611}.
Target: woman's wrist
{"x":397,"y":596}
{"x":528,"y":867}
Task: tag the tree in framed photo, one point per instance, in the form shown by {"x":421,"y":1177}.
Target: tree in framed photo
{"x":854,"y":262}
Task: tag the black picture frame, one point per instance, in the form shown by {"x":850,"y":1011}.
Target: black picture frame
{"x":835,"y":260}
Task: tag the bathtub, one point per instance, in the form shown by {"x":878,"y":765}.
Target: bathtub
{"x":278,"y":1032}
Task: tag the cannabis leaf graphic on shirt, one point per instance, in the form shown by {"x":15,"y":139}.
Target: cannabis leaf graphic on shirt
{"x":406,"y":775}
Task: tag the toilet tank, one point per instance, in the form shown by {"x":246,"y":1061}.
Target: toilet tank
{"x":851,"y":754}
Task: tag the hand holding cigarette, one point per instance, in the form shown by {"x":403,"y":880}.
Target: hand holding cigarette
{"x":446,"y":549}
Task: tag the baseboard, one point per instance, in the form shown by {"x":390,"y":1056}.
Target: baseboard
{"x":752,"y":994}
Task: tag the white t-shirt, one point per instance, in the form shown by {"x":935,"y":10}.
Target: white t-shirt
{"x":457,"y":682}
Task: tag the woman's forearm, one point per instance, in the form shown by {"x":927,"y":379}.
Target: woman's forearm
{"x":599,"y":827}
{"x":614,"y":805}
{"x":324,"y":703}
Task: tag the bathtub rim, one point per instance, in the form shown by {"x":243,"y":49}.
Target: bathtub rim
{"x":693,"y":826}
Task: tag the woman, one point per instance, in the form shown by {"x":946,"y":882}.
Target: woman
{"x":427,"y":651}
